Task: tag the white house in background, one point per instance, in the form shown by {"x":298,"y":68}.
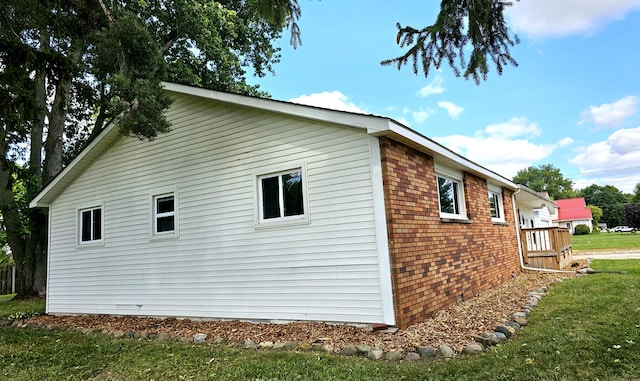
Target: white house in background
{"x":535,"y":209}
{"x":264,"y":210}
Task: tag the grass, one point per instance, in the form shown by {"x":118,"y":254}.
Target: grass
{"x":587,"y":328}
{"x":605,"y":241}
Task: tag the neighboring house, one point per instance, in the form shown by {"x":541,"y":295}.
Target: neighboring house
{"x":535,"y":209}
{"x":264,"y":210}
{"x":573,"y":212}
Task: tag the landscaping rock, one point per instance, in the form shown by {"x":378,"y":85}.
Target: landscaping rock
{"x":375,"y":354}
{"x":412,"y":356}
{"x":349,"y":350}
{"x":118,"y":334}
{"x":473,"y":349}
{"x":532,"y":302}
{"x":249,"y":344}
{"x":427,"y":352}
{"x":304,"y":347}
{"x":393,"y":356}
{"x":164,"y":336}
{"x":487,"y":339}
{"x":290,"y":346}
{"x":327,"y":348}
{"x":220,"y":341}
{"x":266,"y":344}
{"x":513,"y":325}
{"x":199,"y":338}
{"x":501,"y":337}
{"x":363,"y":349}
{"x":519,"y":315}
{"x":521,"y":320}
{"x":446,"y":351}
{"x":130,"y":334}
{"x":504,"y":330}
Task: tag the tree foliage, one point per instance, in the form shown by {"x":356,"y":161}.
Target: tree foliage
{"x":546,"y":178}
{"x":69,"y":68}
{"x":632,"y":215}
{"x":467,"y":35}
{"x":596,"y":215}
{"x":608,"y":198}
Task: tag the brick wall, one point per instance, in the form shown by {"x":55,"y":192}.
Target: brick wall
{"x":434,"y":262}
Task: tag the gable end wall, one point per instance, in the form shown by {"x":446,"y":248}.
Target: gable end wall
{"x":434,"y":262}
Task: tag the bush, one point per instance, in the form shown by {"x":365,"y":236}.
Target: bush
{"x":581,"y":229}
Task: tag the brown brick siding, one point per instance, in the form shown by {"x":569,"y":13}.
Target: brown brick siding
{"x":432,"y":261}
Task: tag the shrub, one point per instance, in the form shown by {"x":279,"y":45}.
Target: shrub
{"x":581,"y":229}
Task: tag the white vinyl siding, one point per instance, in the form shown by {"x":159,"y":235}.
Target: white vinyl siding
{"x":223,"y":265}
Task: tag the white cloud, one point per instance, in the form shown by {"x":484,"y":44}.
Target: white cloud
{"x":422,"y":115}
{"x":543,"y":18}
{"x":435,"y":87}
{"x":334,"y":100}
{"x":611,"y":114}
{"x":565,"y":142}
{"x":453,"y":110}
{"x":504,"y":147}
{"x":613,"y":161}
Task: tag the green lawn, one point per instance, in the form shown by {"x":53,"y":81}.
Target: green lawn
{"x":606,"y":241}
{"x":587,"y":328}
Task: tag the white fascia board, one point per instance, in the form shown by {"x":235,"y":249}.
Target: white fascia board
{"x":529,"y":197}
{"x":76,"y":167}
{"x":443,"y":154}
{"x":371,"y":123}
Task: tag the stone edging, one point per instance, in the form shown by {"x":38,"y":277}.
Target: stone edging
{"x":480,"y":344}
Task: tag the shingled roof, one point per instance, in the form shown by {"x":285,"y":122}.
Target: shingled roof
{"x":572,"y":209}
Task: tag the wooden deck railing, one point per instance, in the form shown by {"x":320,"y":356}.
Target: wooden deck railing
{"x":546,"y":248}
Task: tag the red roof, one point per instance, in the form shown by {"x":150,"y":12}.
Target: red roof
{"x":572,"y":209}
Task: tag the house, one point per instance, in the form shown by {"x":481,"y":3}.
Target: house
{"x":573,"y":212}
{"x":258,"y":209}
{"x":535,"y":209}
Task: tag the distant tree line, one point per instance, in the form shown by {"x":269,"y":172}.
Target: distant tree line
{"x":608,"y":204}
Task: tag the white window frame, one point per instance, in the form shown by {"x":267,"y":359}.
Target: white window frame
{"x":79,"y":224}
{"x":495,"y":192}
{"x":456,"y":177}
{"x":283,"y":220}
{"x":154,"y":215}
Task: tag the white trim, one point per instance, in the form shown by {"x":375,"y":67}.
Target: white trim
{"x":93,"y":243}
{"x":49,"y":219}
{"x":162,"y":192}
{"x":497,"y":191}
{"x":271,"y":171}
{"x":455,"y":177}
{"x":382,"y":242}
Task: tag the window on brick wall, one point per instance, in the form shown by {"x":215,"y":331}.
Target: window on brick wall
{"x":450,"y":193}
{"x":495,"y":203}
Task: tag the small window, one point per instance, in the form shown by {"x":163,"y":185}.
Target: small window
{"x":495,"y":204}
{"x":451,"y":193}
{"x":281,"y":196}
{"x":91,"y":225}
{"x":164,"y":214}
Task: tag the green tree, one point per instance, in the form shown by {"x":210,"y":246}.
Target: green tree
{"x":466,"y":35}
{"x":608,"y":198}
{"x":632,"y":215}
{"x":69,"y":68}
{"x":596,"y":214}
{"x":636,"y":194}
{"x":546,"y":178}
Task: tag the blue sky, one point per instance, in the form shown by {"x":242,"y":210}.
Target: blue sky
{"x":573,"y":101}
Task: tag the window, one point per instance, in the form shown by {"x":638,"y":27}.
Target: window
{"x":281,"y":196}
{"x":91,"y":225}
{"x":495,"y":204}
{"x":451,"y":193}
{"x":164,"y":214}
